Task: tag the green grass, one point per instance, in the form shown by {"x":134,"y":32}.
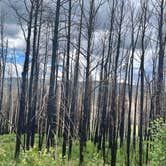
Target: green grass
{"x":35,"y":158}
{"x":54,"y":158}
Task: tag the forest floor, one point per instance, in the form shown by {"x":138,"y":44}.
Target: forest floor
{"x":35,"y":158}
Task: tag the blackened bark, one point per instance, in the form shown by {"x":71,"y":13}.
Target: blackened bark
{"x":67,"y":81}
{"x":22,"y":104}
{"x":114,"y":93}
{"x":31,"y":115}
{"x":159,"y":92}
{"x":75,"y":87}
{"x":144,"y":17}
{"x":87,"y":99}
{"x":51,"y":112}
{"x":35,"y":87}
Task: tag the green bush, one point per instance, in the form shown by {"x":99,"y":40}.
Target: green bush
{"x":158,"y":142}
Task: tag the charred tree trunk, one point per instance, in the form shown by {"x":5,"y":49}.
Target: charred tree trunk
{"x":67,"y":82}
{"x":143,"y":28}
{"x":75,"y":87}
{"x":87,"y":99}
{"x":114,"y":93}
{"x":51,"y":110}
{"x":159,"y":92}
{"x":23,"y":96}
{"x":31,"y":116}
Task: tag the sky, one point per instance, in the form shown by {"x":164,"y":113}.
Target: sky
{"x":16,"y":39}
{"x":12,"y":30}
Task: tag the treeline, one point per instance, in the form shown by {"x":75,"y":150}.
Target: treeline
{"x":86,"y":75}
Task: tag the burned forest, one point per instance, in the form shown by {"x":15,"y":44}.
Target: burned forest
{"x":82,"y":82}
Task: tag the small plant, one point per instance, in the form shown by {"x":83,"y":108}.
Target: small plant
{"x":158,"y":142}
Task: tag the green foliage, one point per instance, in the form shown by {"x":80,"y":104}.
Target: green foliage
{"x":158,"y":142}
{"x":92,"y":157}
{"x":35,"y":158}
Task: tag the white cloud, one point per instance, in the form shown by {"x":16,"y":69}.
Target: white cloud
{"x":17,"y":42}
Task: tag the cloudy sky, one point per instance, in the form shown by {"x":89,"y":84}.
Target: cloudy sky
{"x":16,"y":39}
{"x":12,"y":30}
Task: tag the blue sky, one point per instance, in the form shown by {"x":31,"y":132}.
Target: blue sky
{"x":20,"y":57}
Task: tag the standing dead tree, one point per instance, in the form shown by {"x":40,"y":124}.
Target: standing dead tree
{"x":23,"y":95}
{"x":51,"y":110}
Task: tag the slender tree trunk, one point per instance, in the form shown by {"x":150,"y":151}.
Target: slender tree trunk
{"x":67,"y":81}
{"x":114,"y":94}
{"x":75,"y":87}
{"x":144,"y":17}
{"x":51,"y":112}
{"x":87,"y":98}
{"x":159,"y":93}
{"x":22,"y":106}
{"x":31,"y":116}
